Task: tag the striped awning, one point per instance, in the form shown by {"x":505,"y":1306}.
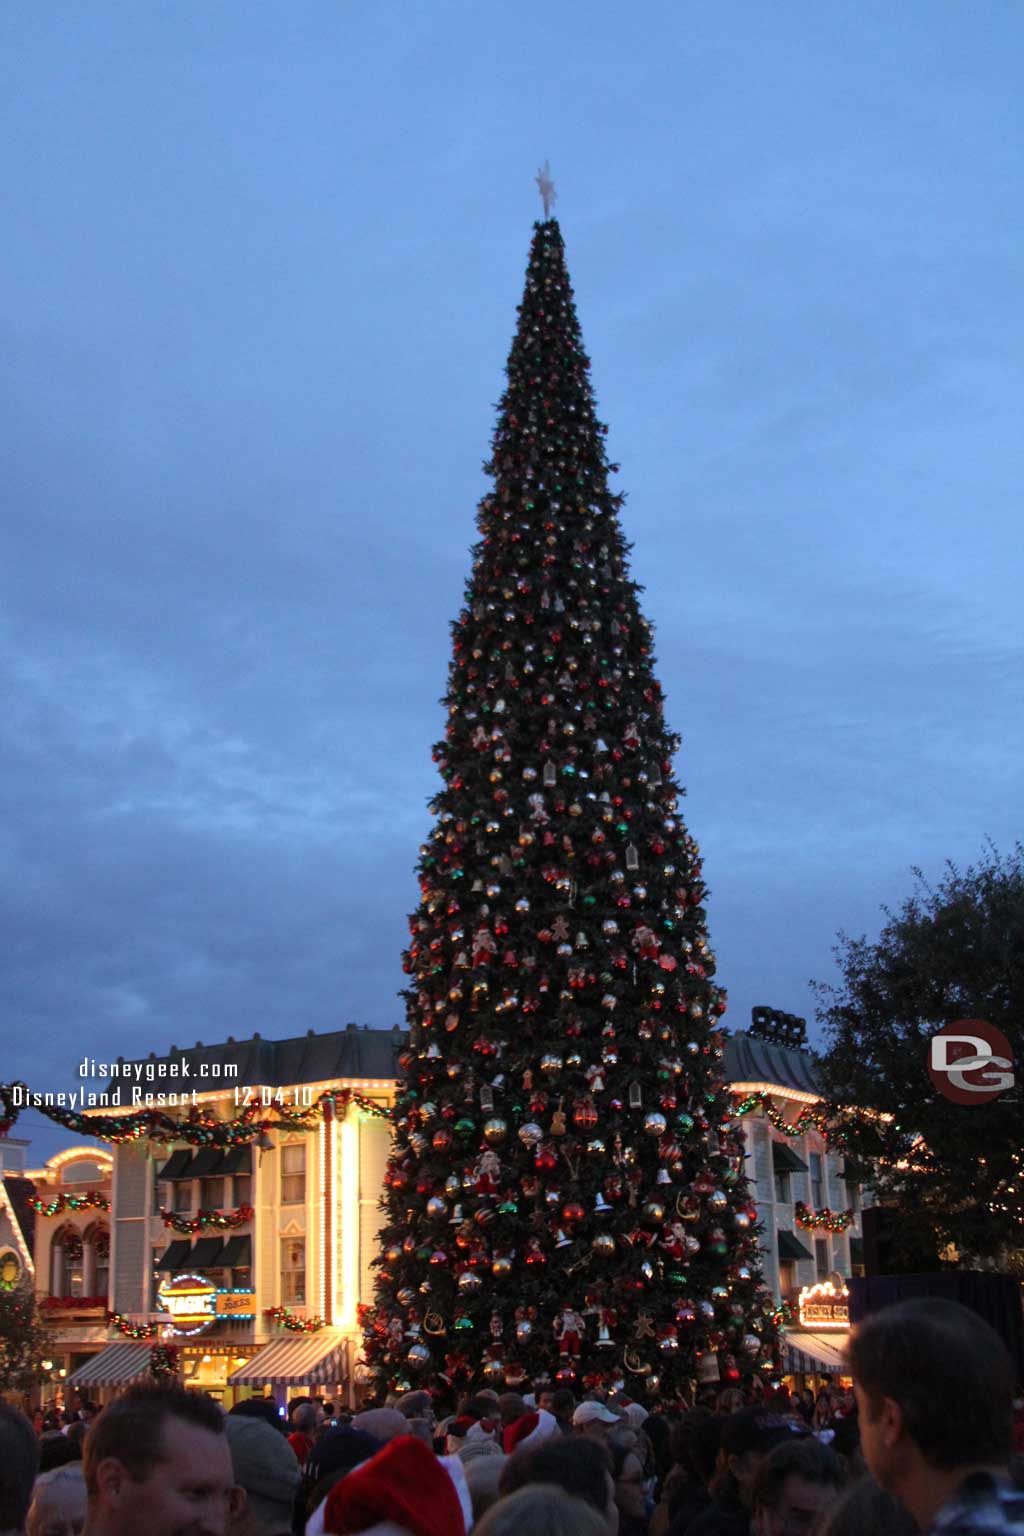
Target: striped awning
{"x":116,"y":1366}
{"x":301,"y":1359}
{"x":812,"y":1353}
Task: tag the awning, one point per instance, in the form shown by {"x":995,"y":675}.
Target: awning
{"x":175,"y":1256}
{"x":785,"y":1160}
{"x":207,"y":1161}
{"x":116,"y":1366}
{"x":237,"y":1252}
{"x":177,"y":1165}
{"x":791,"y":1247}
{"x":301,"y":1359}
{"x":812,"y":1353}
{"x":237,"y":1160}
{"x":207,"y":1253}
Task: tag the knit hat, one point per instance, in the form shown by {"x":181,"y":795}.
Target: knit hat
{"x":531,"y":1429}
{"x":341,"y":1449}
{"x":403,"y":1486}
{"x":264,"y":1464}
{"x":382,"y":1423}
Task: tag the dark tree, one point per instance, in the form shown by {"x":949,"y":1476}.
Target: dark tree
{"x":950,"y":953}
{"x":22,"y":1338}
{"x":566,"y":1195}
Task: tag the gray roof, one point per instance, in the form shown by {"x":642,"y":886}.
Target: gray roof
{"x":357,"y":1051}
{"x":750,"y":1060}
{"x":354,"y":1051}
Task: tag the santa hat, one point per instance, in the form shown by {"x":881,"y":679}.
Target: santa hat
{"x":530,"y":1430}
{"x":405,"y":1490}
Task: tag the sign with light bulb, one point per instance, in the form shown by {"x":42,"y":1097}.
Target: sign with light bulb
{"x":194,"y":1304}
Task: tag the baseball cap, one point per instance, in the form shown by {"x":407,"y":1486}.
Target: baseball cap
{"x":264,"y":1465}
{"x":754,"y":1429}
{"x":594,"y":1413}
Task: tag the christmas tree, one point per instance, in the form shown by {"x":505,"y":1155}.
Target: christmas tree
{"x":565,"y":1197}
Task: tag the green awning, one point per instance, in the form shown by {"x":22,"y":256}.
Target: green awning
{"x":785,"y":1160}
{"x":237,"y":1252}
{"x":791,"y":1247}
{"x":177,"y":1165}
{"x":237,"y":1160}
{"x":207,"y":1161}
{"x":207,"y":1253}
{"x":175,"y":1257}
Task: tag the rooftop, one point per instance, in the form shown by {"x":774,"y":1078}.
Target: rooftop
{"x":353,"y":1052}
{"x":752,"y":1060}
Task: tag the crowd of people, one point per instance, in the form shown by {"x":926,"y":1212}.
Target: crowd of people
{"x":929,"y":1439}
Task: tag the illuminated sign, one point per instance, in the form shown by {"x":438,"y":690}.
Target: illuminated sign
{"x":194,"y":1304}
{"x":825,"y":1305}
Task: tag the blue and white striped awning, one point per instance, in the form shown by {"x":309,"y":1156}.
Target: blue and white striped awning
{"x":811,"y":1353}
{"x":299,"y":1359}
{"x":116,"y":1366}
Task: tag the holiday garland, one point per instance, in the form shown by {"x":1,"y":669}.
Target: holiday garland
{"x":823,"y":1220}
{"x":204,"y":1221}
{"x":199,"y":1128}
{"x":807,"y":1119}
{"x":163,"y":1362}
{"x":129,"y":1330}
{"x":284,"y":1317}
{"x":93,"y":1200}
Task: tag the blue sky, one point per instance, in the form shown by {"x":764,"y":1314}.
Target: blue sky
{"x":259,"y":277}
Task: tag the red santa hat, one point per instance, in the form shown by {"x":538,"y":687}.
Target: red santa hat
{"x":404,"y":1488}
{"x":530,"y":1430}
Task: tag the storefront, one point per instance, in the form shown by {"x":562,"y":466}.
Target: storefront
{"x":814,"y":1349}
{"x":303,"y":1363}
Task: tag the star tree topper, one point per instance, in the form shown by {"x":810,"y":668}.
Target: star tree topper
{"x":546,"y":187}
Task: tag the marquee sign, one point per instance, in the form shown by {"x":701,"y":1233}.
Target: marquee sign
{"x":825,"y":1305}
{"x":194,"y":1304}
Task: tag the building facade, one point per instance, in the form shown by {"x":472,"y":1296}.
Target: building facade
{"x":205,"y":1240}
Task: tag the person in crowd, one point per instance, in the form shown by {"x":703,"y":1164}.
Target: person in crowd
{"x":157,"y":1463}
{"x":266,"y":1470}
{"x":658,"y":1429}
{"x":511,"y":1407}
{"x":629,"y":1484}
{"x":578,"y":1466}
{"x":19,"y":1462}
{"x":543,"y":1397}
{"x":593,"y":1420}
{"x":730,"y":1400}
{"x":88,"y":1412}
{"x":530,"y":1430}
{"x":864,"y":1509}
{"x":805,"y":1405}
{"x":483,"y":1475}
{"x":541,"y":1509}
{"x":382,"y":1423}
{"x":794,"y":1486}
{"x":746,"y":1438}
{"x":262,"y":1408}
{"x":682,"y":1487}
{"x":335,"y":1454}
{"x":75,"y":1434}
{"x":416,"y":1405}
{"x":934,"y":1391}
{"x":563,"y":1406}
{"x":405,"y":1488}
{"x":57,"y":1450}
{"x":58,"y":1502}
{"x":305,"y":1422}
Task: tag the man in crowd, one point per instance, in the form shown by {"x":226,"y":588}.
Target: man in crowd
{"x":305,"y":1422}
{"x":19,"y":1460}
{"x":157,"y":1462}
{"x":934,"y":1391}
{"x":593,"y":1420}
{"x":794,"y":1486}
{"x":265,"y":1469}
{"x":746,"y":1439}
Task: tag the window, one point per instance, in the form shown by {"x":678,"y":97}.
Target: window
{"x":211,"y":1194}
{"x":787,"y":1276}
{"x":821,"y":1260}
{"x":182,"y":1195}
{"x":243,"y":1189}
{"x":293,"y":1270}
{"x":293,"y":1173}
{"x":853,"y":1197}
{"x":781,"y":1187}
{"x":856,"y":1255}
{"x":817,"y":1181}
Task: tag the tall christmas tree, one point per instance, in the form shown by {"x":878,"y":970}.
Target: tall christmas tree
{"x":565,"y":1197}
